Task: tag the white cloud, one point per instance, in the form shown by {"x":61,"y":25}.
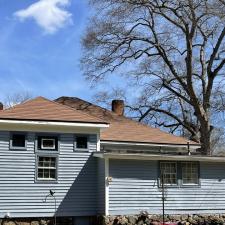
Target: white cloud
{"x":50,"y":15}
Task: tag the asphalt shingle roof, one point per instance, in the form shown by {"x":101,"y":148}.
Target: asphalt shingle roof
{"x":42,"y":109}
{"x":122,"y":128}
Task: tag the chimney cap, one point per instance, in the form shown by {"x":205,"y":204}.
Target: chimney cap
{"x":118,"y":106}
{"x":1,"y":106}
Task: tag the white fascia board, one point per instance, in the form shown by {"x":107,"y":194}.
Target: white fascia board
{"x":118,"y":143}
{"x":52,"y":123}
{"x":160,"y":157}
{"x":42,"y":126}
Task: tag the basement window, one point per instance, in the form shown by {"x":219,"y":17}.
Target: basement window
{"x":18,"y":141}
{"x":47,"y":168}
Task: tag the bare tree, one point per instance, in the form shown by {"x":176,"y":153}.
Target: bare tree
{"x":173,"y":50}
{"x":16,"y":98}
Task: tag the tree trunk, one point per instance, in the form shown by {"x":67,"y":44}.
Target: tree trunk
{"x":205,"y":138}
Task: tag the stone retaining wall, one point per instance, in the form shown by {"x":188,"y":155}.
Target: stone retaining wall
{"x":36,"y":221}
{"x":146,"y":219}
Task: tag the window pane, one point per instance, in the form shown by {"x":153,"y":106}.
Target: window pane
{"x":52,"y":173}
{"x":40,"y":173}
{"x":81,"y":142}
{"x":168,"y":173}
{"x":19,"y":140}
{"x":190,"y":173}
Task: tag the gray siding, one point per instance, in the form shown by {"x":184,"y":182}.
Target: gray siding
{"x":134,"y":188}
{"x":22,"y":196}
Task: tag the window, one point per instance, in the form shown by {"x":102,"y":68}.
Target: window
{"x":189,"y":173}
{"x":46,"y":169}
{"x":48,"y":143}
{"x":81,"y":142}
{"x":18,"y":141}
{"x":168,"y":173}
{"x":179,"y":173}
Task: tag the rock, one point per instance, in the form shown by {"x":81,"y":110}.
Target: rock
{"x":174,"y":218}
{"x":140,"y":222}
{"x":155,"y":223}
{"x":9,"y":223}
{"x":23,"y":223}
{"x":43,"y":222}
{"x":123,"y":220}
{"x":132,"y":219}
{"x":154,"y":217}
{"x":184,"y":217}
{"x":35,"y":223}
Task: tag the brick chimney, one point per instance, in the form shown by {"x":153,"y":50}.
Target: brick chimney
{"x":1,"y":106}
{"x":118,"y":107}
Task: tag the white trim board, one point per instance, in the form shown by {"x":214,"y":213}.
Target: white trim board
{"x":106,"y":187}
{"x":160,"y":157}
{"x":53,"y":123}
{"x":118,"y":143}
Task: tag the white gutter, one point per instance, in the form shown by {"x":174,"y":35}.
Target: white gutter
{"x":192,"y":146}
{"x":160,"y":157}
{"x":49,"y":123}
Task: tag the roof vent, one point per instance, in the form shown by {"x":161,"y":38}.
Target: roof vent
{"x":118,"y":107}
{"x":1,"y":106}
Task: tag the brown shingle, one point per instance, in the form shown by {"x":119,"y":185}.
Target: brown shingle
{"x":43,"y":109}
{"x":122,"y":128}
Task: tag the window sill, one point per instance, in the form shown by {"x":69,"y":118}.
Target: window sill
{"x":41,"y":151}
{"x":43,"y":181}
{"x":17,"y":149}
{"x":190,"y":185}
{"x":81,"y":150}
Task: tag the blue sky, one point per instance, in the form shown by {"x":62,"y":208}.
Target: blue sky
{"x":40,"y":48}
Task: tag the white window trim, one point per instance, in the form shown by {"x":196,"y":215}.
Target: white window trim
{"x":17,"y":147}
{"x":75,"y":142}
{"x":190,"y":184}
{"x":46,"y":180}
{"x":46,"y":148}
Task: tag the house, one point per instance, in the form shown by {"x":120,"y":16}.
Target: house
{"x":98,"y":162}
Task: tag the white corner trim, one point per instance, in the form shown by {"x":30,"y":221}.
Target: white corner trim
{"x":98,"y":142}
{"x":52,"y":123}
{"x":106,"y":187}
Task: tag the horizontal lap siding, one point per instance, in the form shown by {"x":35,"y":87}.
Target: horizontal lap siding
{"x":134,"y":188}
{"x":75,"y":190}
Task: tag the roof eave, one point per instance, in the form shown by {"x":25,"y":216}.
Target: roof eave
{"x":54,"y":123}
{"x":150,"y":144}
{"x":154,"y":157}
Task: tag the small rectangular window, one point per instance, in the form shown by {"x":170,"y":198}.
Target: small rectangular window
{"x":168,"y":173}
{"x":48,"y":143}
{"x":47,"y":168}
{"x":81,"y":142}
{"x":18,"y":141}
{"x":190,"y":173}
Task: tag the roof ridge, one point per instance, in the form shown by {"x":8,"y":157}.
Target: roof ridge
{"x":94,"y":117}
{"x":22,"y":103}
